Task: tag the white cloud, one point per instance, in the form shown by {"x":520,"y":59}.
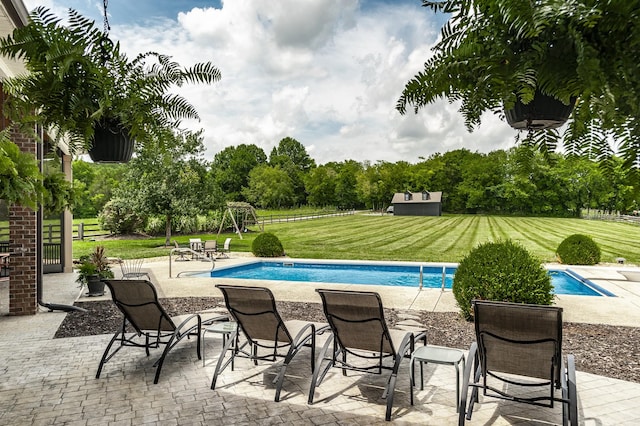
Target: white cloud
{"x":326,"y":72}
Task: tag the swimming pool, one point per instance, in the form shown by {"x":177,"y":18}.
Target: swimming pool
{"x":431,"y":276}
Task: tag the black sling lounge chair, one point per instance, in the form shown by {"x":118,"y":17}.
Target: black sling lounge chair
{"x":254,"y":309}
{"x":359,"y":330}
{"x":147,"y":325}
{"x":519,"y":344}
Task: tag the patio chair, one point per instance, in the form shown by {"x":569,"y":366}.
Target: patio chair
{"x":195,"y":244}
{"x":254,"y":310}
{"x":359,"y":330}
{"x":519,"y":344}
{"x":210,"y":248}
{"x":226,"y":249}
{"x":182,"y":252}
{"x":132,"y":269}
{"x":147,"y":325}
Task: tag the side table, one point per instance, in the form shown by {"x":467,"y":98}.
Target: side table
{"x":437,"y":355}
{"x":225,"y":328}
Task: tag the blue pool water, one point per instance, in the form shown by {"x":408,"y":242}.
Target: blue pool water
{"x":388,"y":275}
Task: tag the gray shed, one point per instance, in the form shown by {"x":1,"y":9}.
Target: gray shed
{"x":417,"y":203}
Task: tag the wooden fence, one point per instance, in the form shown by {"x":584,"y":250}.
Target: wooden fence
{"x":51,"y":233}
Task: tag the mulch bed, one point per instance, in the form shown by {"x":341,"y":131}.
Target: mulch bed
{"x":604,"y":350}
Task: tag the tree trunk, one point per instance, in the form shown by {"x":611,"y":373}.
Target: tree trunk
{"x":167,"y":231}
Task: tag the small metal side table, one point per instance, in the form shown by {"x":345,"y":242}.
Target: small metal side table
{"x":437,"y":355}
{"x":225,"y":328}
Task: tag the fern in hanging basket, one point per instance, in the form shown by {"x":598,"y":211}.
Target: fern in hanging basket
{"x":81,"y":85}
{"x":493,"y":54}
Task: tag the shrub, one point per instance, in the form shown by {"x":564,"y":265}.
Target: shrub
{"x":119,"y":218}
{"x":267,"y":245}
{"x":578,"y":249}
{"x":502,"y":271}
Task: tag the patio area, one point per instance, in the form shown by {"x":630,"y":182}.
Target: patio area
{"x":52,"y":381}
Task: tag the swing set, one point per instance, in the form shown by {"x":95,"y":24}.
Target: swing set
{"x":240,"y":213}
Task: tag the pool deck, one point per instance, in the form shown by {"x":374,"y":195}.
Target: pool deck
{"x":52,"y":381}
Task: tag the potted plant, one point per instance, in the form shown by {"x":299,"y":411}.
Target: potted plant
{"x":88,"y":93}
{"x":93,"y":269}
{"x":499,"y":56}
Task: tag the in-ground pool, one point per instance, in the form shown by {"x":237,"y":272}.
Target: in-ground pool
{"x":564,"y":281}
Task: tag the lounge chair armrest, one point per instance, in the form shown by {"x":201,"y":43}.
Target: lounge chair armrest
{"x":572,"y":389}
{"x":188,"y":320}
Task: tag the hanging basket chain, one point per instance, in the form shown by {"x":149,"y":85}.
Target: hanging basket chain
{"x":105,"y":43}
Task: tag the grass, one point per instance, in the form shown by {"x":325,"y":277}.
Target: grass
{"x":411,"y":238}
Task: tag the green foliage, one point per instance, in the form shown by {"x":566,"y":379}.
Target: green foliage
{"x":170,"y":179}
{"x":562,"y":48}
{"x":269,"y":187}
{"x":77,"y":77}
{"x":578,"y":249}
{"x":94,"y":185}
{"x":59,"y":193}
{"x":95,"y":263}
{"x":267,"y":245}
{"x":119,"y":217}
{"x":231,"y":168}
{"x":20,"y":178}
{"x":502,"y":271}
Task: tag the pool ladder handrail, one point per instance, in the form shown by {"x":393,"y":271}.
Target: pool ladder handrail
{"x":194,"y":254}
{"x":444,"y":277}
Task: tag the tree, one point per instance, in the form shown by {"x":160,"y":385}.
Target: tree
{"x":269,"y":187}
{"x":320,"y":184}
{"x":93,"y":186}
{"x":292,"y":157}
{"x":169,"y":178}
{"x":231,"y":168}
{"x":346,"y":193}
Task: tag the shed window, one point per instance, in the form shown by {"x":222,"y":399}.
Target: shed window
{"x":408,"y":196}
{"x":425,"y":195}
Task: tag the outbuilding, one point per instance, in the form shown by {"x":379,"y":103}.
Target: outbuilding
{"x":417,"y":203}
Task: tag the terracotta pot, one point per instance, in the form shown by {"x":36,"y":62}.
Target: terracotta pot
{"x":543,"y":112}
{"x":111,"y":142}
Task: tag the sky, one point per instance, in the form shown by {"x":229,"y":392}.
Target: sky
{"x":327,"y":73}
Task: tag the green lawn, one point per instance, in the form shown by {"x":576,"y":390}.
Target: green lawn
{"x":432,"y":239}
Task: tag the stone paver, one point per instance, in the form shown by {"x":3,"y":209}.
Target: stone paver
{"x":48,"y":381}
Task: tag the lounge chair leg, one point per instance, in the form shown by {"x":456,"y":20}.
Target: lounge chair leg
{"x":105,"y":355}
{"x":318,"y":374}
{"x":231,"y":344}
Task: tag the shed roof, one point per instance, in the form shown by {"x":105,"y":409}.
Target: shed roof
{"x":416,"y":198}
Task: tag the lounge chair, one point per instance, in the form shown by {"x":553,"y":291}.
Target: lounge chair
{"x":210,"y":248}
{"x":152,"y":326}
{"x":519,"y":344}
{"x":359,"y":330}
{"x":254,"y":309}
{"x":132,"y":269}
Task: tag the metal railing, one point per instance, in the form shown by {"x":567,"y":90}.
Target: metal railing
{"x":183,"y":253}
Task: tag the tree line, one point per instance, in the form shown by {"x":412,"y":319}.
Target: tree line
{"x":172,"y":179}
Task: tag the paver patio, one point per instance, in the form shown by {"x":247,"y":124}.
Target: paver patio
{"x":52,"y":381}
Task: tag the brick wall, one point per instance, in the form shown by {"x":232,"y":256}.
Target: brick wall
{"x":23,"y":248}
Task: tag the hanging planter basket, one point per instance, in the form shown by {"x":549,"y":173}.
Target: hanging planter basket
{"x":543,"y":112}
{"x":111,"y":142}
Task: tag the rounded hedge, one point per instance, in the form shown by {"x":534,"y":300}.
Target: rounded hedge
{"x":502,"y":271}
{"x":267,"y":245}
{"x":578,"y":249}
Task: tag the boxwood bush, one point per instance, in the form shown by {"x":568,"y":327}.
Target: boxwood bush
{"x":578,"y":249}
{"x":502,"y":271}
{"x":267,"y":245}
